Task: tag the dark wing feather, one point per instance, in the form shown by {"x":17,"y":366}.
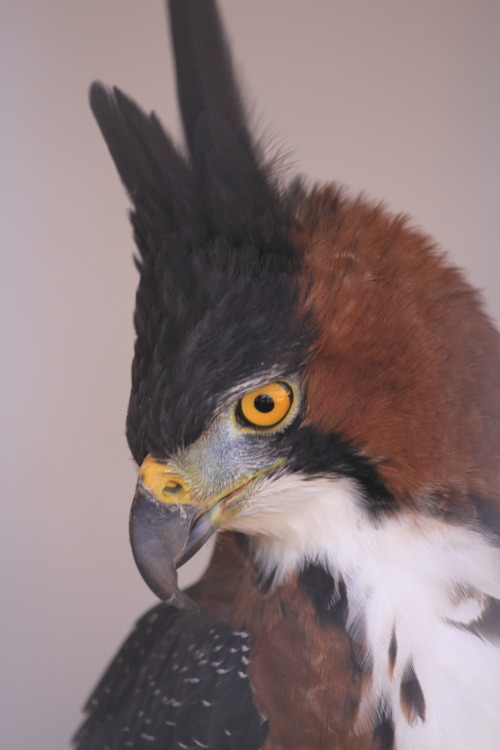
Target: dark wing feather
{"x":179,"y":681}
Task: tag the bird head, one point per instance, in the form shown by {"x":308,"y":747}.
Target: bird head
{"x":287,"y":339}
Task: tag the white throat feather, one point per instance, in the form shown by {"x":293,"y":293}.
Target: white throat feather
{"x":415,"y":584}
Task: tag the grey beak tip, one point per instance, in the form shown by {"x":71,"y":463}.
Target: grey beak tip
{"x":181,"y":601}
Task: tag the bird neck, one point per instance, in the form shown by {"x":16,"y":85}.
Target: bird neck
{"x":400,"y":599}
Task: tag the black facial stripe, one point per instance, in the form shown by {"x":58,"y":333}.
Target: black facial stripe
{"x":317,"y":454}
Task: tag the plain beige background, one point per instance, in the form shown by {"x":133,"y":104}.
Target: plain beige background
{"x":398,"y":98}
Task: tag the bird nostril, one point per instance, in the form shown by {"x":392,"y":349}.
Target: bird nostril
{"x":172,"y":488}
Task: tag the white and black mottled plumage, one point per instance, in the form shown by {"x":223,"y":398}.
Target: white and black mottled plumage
{"x":353,"y":600}
{"x":179,"y":681}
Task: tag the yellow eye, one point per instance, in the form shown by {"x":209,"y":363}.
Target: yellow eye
{"x":267,"y":406}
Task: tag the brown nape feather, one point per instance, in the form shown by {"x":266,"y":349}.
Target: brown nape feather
{"x":304,"y":674}
{"x":407,"y":364}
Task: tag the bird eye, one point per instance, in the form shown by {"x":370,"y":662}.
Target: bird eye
{"x":267,"y":406}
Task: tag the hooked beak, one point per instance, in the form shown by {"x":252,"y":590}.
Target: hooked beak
{"x":169,"y":524}
{"x":162,"y":539}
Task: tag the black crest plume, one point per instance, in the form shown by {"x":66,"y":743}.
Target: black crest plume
{"x":217,"y":266}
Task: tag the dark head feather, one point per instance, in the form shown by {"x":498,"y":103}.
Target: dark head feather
{"x":205,"y":75}
{"x":218,"y":295}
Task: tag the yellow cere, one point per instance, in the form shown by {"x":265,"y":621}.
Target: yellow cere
{"x":161,"y":482}
{"x":267,"y":406}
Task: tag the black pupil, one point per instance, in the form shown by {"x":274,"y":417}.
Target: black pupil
{"x":264,"y":403}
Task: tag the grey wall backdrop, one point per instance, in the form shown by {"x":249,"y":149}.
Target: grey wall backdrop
{"x":394,"y":97}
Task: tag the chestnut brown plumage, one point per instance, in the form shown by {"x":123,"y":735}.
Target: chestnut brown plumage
{"x":419,"y":390}
{"x":313,"y":381}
